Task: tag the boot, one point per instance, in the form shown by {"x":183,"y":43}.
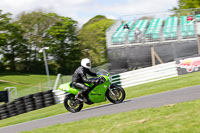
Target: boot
{"x":79,"y":97}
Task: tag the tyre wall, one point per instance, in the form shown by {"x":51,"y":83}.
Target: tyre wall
{"x":26,"y":104}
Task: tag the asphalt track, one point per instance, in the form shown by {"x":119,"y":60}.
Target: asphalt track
{"x":149,"y":101}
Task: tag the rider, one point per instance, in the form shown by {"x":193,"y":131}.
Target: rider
{"x":79,"y":77}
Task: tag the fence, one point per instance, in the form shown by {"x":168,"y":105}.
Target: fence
{"x":136,"y":77}
{"x":37,"y":88}
{"x":145,"y":75}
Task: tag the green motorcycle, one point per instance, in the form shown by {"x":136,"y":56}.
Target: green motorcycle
{"x":99,"y":93}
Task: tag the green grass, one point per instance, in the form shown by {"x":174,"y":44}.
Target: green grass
{"x":26,"y":79}
{"x":179,"y":118}
{"x":182,"y":81}
{"x":131,"y":92}
{"x":25,"y":83}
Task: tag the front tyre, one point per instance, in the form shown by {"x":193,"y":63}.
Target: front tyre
{"x":116,"y":94}
{"x":71,"y":104}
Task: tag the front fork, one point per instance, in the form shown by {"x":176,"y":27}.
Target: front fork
{"x":112,"y":92}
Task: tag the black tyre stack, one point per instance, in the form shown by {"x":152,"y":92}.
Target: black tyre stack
{"x":12,"y":110}
{"x":20,"y":106}
{"x":48,"y":98}
{"x":4,"y":112}
{"x":29,"y":103}
{"x":39,"y":100}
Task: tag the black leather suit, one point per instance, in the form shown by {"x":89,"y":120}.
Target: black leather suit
{"x":79,"y":78}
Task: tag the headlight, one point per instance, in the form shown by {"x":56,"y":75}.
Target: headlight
{"x":110,"y":78}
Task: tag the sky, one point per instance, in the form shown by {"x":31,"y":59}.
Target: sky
{"x":83,"y":10}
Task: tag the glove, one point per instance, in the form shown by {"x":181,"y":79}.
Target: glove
{"x":97,"y":81}
{"x":100,"y":80}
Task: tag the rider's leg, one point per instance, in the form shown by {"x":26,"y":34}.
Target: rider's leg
{"x":81,"y":86}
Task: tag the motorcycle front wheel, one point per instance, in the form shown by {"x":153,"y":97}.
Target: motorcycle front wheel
{"x":72,"y":104}
{"x":116,"y":94}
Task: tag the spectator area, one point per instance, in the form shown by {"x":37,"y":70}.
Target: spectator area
{"x":198,"y":17}
{"x":141,"y":25}
{"x":120,"y":34}
{"x":156,"y":29}
{"x":187,"y":27}
{"x":170,"y":28}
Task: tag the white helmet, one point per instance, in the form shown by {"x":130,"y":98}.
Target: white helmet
{"x":86,"y":63}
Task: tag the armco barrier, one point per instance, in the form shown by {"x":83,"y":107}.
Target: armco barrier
{"x":59,"y":96}
{"x":26,"y":104}
{"x":136,"y":77}
{"x":149,"y":74}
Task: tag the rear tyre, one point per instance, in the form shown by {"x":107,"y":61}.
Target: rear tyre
{"x":117,"y":95}
{"x":71,"y":104}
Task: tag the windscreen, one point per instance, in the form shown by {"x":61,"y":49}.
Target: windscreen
{"x":102,"y":72}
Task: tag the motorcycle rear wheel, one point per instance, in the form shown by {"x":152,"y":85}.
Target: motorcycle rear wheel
{"x":118,"y":96}
{"x":72,"y":104}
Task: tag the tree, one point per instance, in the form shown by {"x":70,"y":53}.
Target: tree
{"x":186,"y":4}
{"x":63,"y":44}
{"x":93,"y":41}
{"x":12,"y":42}
{"x":50,"y":30}
{"x":4,"y":21}
{"x":20,"y":42}
{"x":15,"y":48}
{"x":35,"y":25}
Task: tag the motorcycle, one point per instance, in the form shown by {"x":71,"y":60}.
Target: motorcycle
{"x":99,"y":92}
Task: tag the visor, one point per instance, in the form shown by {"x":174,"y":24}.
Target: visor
{"x":88,"y":64}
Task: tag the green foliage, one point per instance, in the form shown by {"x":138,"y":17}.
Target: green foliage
{"x":15,"y":49}
{"x":64,"y":47}
{"x":93,"y":40}
{"x":13,"y":45}
{"x":94,"y":19}
{"x":20,"y":42}
{"x":186,"y":4}
{"x":4,"y":21}
{"x":2,"y":67}
{"x":35,"y":25}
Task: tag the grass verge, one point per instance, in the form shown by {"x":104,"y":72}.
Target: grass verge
{"x":131,"y":92}
{"x":180,"y":118}
{"x":25,"y":83}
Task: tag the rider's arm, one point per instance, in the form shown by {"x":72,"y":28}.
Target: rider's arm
{"x":86,"y":80}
